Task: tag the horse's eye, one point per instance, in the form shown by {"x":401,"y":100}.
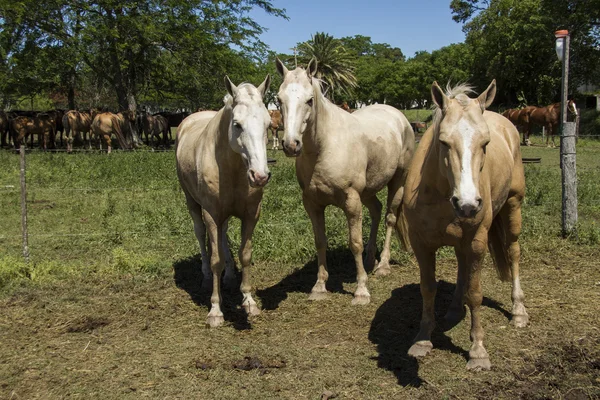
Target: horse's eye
{"x":310,"y":102}
{"x":237,"y":125}
{"x":444,"y":144}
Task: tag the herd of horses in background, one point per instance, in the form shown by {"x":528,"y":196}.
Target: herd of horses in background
{"x":56,"y":127}
{"x":59,"y":128}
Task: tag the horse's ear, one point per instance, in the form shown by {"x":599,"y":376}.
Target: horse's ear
{"x":438,"y":96}
{"x":311,"y":68}
{"x":231,"y":88}
{"x":265,"y":86}
{"x":280,"y":67}
{"x":486,"y":98}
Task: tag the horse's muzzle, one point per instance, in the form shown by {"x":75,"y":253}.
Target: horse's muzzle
{"x":466,"y":209}
{"x":256,"y":179}
{"x":292,"y":148}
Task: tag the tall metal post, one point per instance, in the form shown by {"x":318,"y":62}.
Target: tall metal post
{"x":24,"y":206}
{"x":568,"y":158}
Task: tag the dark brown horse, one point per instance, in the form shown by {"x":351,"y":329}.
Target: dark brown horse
{"x":549,"y":118}
{"x":153,"y":126}
{"x":4,"y":129}
{"x":173,"y":119}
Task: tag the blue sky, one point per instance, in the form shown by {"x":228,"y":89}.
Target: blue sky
{"x":411,"y":25}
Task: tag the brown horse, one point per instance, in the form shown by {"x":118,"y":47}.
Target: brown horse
{"x":42,"y":125}
{"x":275,"y":125}
{"x":464,"y":189}
{"x":106,"y":124}
{"x":549,"y":118}
{"x":154,"y":126}
{"x":76,"y":122}
{"x":520,"y":118}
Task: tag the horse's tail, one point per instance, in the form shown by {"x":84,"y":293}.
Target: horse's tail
{"x":402,"y":229}
{"x":498,"y":250}
{"x":116,"y":125}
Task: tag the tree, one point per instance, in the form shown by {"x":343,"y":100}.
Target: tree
{"x":335,"y":65}
{"x":513,"y":41}
{"x":126,"y":43}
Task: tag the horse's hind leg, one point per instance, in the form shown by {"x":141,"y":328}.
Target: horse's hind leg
{"x":353,"y":211}
{"x":229,"y":279}
{"x":316,"y":213}
{"x":245,"y":254}
{"x":456,"y":311}
{"x":374,"y":206}
{"x":200,"y":232}
{"x":511,"y":219}
{"x":426,"y":258}
{"x":394,"y":199}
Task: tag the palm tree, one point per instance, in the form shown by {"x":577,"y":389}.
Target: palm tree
{"x":335,"y":66}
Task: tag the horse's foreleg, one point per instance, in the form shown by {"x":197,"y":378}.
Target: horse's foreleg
{"x":316,"y":214}
{"x":374,"y":206}
{"x":245,"y":255}
{"x":394,"y":200}
{"x":215,"y":315}
{"x":511,"y":219}
{"x":353,"y":211}
{"x":426,"y":258}
{"x":478,"y":355}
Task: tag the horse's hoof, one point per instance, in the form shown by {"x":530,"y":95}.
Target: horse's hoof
{"x":361,"y":300}
{"x":520,"y":321}
{"x":252,"y":310}
{"x":420,"y":349}
{"x":479,"y":364}
{"x":214,"y":321}
{"x":383,"y":268}
{"x":318,"y":296}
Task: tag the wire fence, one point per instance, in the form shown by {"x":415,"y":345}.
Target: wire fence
{"x":36,"y":195}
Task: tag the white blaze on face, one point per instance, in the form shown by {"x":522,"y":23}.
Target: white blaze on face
{"x":467,"y":189}
{"x":294,"y":118}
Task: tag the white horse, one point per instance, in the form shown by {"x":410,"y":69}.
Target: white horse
{"x":345,"y":159}
{"x":222,"y":169}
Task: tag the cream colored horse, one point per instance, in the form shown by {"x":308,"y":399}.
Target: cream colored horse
{"x":344,"y":159}
{"x":222,"y":169}
{"x":464,"y":189}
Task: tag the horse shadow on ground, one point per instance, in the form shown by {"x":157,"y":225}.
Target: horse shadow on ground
{"x":188,"y":277}
{"x":341,"y":269}
{"x":396,"y":324}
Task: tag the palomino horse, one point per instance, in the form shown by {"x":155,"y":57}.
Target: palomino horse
{"x":344,"y":159}
{"x":275,"y":126}
{"x":106,"y":124}
{"x":222,"y":169}
{"x":549,"y":117}
{"x":154,"y":126}
{"x":76,"y":122}
{"x":520,"y":118}
{"x":464,"y":189}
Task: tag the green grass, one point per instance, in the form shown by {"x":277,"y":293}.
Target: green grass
{"x":109,"y":305}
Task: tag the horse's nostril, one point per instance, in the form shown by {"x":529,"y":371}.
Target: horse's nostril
{"x":479,"y":202}
{"x":454,"y":201}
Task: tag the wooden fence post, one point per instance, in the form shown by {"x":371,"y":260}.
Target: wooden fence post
{"x":569,"y":179}
{"x":24,"y":206}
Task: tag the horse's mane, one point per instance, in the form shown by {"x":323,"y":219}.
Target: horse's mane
{"x":460,"y":93}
